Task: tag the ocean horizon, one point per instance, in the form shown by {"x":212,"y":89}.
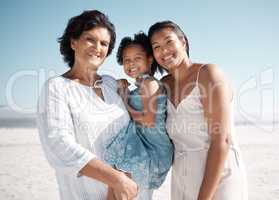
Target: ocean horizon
{"x":30,"y":122}
{"x":10,"y":118}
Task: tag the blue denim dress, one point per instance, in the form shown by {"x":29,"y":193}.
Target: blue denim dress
{"x":145,"y":152}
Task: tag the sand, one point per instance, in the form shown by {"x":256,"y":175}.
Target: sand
{"x":26,"y":175}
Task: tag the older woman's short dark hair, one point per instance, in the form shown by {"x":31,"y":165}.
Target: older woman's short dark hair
{"x":77,"y":25}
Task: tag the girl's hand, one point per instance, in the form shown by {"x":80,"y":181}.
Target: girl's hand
{"x":122,"y":83}
{"x":123,"y":89}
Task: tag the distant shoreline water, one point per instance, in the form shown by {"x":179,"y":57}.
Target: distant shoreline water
{"x":18,"y":123}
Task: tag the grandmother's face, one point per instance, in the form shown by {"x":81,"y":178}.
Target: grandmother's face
{"x":91,"y":48}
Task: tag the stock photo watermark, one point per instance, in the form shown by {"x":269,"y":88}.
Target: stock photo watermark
{"x":255,"y":99}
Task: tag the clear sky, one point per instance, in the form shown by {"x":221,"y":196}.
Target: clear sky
{"x":240,"y":36}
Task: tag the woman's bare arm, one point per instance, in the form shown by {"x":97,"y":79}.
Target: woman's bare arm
{"x":216,"y":102}
{"x":149,"y":93}
{"x":115,"y":179}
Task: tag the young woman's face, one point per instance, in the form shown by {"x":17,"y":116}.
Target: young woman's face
{"x":135,"y":61}
{"x":169,"y":50}
{"x":91,"y":47}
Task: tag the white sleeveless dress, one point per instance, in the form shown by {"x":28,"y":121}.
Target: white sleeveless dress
{"x":187,"y":127}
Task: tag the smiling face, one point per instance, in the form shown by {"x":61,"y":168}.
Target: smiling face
{"x":169,"y":50}
{"x":91,"y":48}
{"x":135,"y":61}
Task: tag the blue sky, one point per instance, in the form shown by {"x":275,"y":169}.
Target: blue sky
{"x":240,"y":36}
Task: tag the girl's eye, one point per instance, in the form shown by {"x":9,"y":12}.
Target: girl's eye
{"x":126,"y":61}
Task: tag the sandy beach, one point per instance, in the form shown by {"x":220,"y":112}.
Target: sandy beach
{"x":26,"y":175}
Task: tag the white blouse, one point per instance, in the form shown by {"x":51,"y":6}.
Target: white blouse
{"x":74,"y":127}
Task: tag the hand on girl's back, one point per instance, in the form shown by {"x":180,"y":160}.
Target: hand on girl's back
{"x":122,"y":88}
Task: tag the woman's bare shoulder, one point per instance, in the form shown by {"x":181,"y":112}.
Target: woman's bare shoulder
{"x":210,"y":73}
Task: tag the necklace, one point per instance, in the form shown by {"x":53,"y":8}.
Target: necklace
{"x":97,"y":83}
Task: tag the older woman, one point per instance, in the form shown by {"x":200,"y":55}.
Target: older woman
{"x":80,"y":110}
{"x":207,"y":164}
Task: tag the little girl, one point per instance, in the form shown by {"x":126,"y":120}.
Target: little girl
{"x":143,"y":148}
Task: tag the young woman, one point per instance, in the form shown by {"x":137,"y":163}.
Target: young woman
{"x":207,"y":163}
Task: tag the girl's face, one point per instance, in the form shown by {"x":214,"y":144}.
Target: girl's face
{"x":169,"y":50}
{"x":91,"y":47}
{"x":135,"y":61}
